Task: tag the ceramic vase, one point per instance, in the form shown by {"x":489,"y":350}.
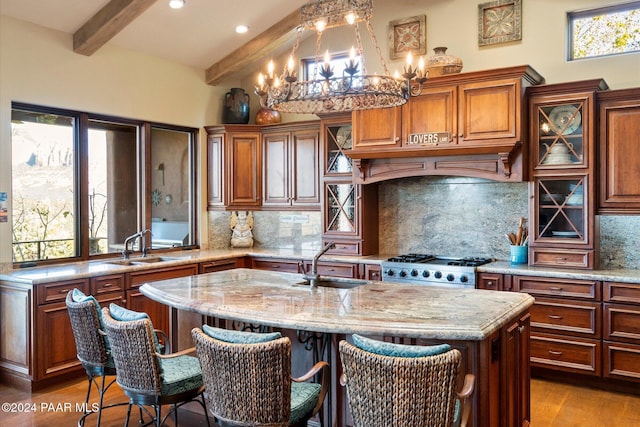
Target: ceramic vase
{"x":236,"y":107}
{"x":266,"y":116}
{"x":441,"y":63}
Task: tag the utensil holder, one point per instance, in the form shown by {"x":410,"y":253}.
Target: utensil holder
{"x":518,"y":254}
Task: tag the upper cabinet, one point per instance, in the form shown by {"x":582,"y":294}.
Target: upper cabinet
{"x":563,"y":225}
{"x":478,"y":114}
{"x":291,"y":166}
{"x":619,"y":155}
{"x":254,"y":167}
{"x":344,"y":203}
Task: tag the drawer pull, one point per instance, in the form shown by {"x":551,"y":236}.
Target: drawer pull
{"x":561,"y":260}
{"x":107,"y":285}
{"x":331,"y":269}
{"x":63,"y":291}
{"x":555,"y":353}
{"x":490,"y":283}
{"x":275,"y":266}
{"x":555,"y":316}
{"x":521,"y":328}
{"x":555,"y":288}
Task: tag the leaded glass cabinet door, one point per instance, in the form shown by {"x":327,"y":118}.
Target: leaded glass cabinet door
{"x":559,"y":135}
{"x":562,"y":214}
{"x":340,"y":206}
{"x":338,"y":143}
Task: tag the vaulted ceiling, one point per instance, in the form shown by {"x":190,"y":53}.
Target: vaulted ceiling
{"x":201,"y":34}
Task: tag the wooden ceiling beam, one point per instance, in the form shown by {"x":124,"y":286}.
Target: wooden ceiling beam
{"x":260,"y":46}
{"x":108,"y":22}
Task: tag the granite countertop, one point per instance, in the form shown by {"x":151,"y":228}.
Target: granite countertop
{"x":87,"y":269}
{"x":278,"y":299}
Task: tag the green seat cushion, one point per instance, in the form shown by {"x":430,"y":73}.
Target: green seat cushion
{"x":304,"y":397}
{"x":398,"y":350}
{"x":457,"y":415}
{"x":78,"y":296}
{"x":125,"y":315}
{"x":239,"y":337}
{"x":180,"y":374}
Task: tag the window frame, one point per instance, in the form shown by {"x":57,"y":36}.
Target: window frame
{"x":590,"y":13}
{"x":81,"y":125}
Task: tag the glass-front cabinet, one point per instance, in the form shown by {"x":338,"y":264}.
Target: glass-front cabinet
{"x":563,"y":225}
{"x":344,"y":203}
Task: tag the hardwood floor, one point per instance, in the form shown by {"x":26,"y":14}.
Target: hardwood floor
{"x":552,"y":405}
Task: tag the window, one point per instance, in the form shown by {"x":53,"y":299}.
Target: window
{"x":82,"y":183}
{"x":311,"y":67}
{"x":605,"y":31}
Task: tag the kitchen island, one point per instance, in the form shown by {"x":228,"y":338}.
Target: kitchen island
{"x":490,"y":328}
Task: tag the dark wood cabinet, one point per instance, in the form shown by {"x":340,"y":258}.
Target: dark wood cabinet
{"x":291,"y":162}
{"x":158,"y":313}
{"x":621,"y":331}
{"x":468,"y":124}
{"x":235,"y":166}
{"x":566,"y":323}
{"x":515,"y":375}
{"x":378,"y":128}
{"x":563,"y":227}
{"x":372,"y":272}
{"x":619,"y":157}
{"x":344,"y":203}
{"x":490,"y":281}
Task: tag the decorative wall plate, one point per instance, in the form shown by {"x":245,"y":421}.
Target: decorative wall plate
{"x":564,"y":114}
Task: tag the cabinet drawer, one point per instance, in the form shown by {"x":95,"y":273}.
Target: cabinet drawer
{"x":566,"y":317}
{"x":628,"y":293}
{"x":290,"y":266}
{"x":335,"y":269}
{"x":217,"y":265}
{"x":622,"y":361}
{"x":622,"y":323}
{"x":551,"y":286}
{"x":566,"y":354}
{"x":490,"y":281}
{"x":106,"y":284}
{"x":565,"y":258}
{"x":344,"y":247}
{"x":57,"y":291}
{"x":136,"y":279}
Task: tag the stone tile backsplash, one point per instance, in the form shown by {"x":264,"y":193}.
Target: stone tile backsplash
{"x":443,"y":215}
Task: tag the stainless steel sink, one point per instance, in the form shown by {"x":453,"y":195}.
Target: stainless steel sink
{"x":337,"y":282}
{"x":141,"y":260}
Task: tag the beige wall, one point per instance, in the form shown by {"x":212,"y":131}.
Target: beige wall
{"x":38,"y":66}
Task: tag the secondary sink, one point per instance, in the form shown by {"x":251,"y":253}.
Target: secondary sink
{"x":141,"y":260}
{"x":338,"y":283}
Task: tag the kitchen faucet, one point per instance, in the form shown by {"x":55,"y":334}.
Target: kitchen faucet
{"x":313,"y":276}
{"x":129,"y":242}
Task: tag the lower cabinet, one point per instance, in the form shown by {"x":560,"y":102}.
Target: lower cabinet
{"x":621,"y":331}
{"x":581,"y":327}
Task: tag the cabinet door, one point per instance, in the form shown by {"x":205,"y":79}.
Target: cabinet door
{"x":215,"y":171}
{"x":340,"y":208}
{"x":516,"y":374}
{"x":244,"y":165}
{"x":56,"y":352}
{"x":276,"y":171}
{"x":619,"y":154}
{"x":489,"y":111}
{"x":158,"y":313}
{"x":378,"y":128}
{"x":435,"y":110}
{"x":305,"y":170}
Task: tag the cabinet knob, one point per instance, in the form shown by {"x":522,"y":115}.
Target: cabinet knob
{"x":521,"y":328}
{"x":396,"y":139}
{"x":490,"y":283}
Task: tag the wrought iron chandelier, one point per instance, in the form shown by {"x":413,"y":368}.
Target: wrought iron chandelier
{"x":326,"y":92}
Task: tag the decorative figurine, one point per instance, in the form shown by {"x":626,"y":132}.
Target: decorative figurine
{"x":241,"y":224}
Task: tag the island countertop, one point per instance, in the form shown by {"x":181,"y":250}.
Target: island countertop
{"x":377,"y":308}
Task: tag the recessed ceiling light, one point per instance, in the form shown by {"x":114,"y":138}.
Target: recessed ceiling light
{"x":241,"y":29}
{"x":176,"y":4}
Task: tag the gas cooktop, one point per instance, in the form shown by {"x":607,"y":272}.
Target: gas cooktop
{"x":432,"y":269}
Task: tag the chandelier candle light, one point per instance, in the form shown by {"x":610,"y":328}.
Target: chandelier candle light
{"x":327,"y":93}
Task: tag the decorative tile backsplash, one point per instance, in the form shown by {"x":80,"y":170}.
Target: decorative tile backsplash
{"x":443,"y":215}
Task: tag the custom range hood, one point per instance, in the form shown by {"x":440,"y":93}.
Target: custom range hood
{"x":470,"y":124}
